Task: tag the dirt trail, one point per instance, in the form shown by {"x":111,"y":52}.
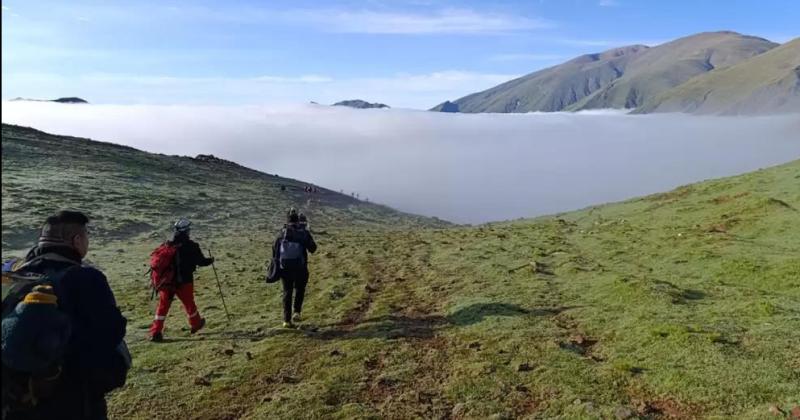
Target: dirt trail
{"x":396,"y":272}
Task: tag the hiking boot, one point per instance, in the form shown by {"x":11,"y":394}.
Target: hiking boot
{"x":296,"y":317}
{"x":157,"y":337}
{"x":288,"y":324}
{"x":199,"y":327}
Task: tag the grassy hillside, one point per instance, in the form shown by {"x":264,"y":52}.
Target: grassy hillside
{"x":768,"y":83}
{"x":132,"y":194}
{"x":683,"y":304}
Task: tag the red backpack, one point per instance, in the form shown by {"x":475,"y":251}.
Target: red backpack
{"x":162,"y":266}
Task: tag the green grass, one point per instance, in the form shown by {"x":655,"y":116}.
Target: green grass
{"x":681,"y":304}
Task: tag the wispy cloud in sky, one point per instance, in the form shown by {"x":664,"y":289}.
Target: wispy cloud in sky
{"x":334,"y":19}
{"x":448,"y":21}
{"x":311,"y":78}
{"x":186,"y":81}
{"x":608,"y":3}
{"x":527,"y":57}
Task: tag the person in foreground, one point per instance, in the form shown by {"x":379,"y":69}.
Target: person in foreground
{"x":291,"y":249}
{"x":63,"y":334}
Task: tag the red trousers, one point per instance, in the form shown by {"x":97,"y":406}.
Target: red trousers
{"x":185,"y":293}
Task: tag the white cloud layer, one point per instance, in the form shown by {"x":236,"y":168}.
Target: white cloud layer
{"x":461,"y":167}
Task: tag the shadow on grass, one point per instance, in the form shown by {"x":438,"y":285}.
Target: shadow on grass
{"x":388,"y":327}
{"x":402,"y":326}
{"x":474,"y":314}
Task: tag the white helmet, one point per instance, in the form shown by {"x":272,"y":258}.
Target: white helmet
{"x":182,"y":225}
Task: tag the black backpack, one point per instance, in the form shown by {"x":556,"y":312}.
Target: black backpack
{"x":35,"y":333}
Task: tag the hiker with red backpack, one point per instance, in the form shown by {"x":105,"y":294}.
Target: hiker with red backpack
{"x":172,"y":267}
{"x":290,"y":250}
{"x":63,"y":345}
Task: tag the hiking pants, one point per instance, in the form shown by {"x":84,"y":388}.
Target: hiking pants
{"x":293,"y":281}
{"x":185,"y":293}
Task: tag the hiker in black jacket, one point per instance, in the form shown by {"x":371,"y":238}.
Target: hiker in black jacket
{"x":96,"y":358}
{"x":189,"y":254}
{"x":291,"y":249}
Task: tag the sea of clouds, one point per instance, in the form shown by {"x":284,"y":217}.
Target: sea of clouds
{"x":468,"y":168}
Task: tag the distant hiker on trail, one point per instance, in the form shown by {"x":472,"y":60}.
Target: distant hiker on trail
{"x":291,"y":249}
{"x":63,"y":343}
{"x":172,"y":273}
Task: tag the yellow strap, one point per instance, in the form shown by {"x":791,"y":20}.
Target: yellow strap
{"x":40,"y":298}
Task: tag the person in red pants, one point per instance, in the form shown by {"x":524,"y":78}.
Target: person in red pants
{"x":188,"y":257}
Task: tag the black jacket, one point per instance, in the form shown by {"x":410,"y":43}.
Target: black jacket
{"x":97,"y":329}
{"x":189,"y":258}
{"x":295,"y":233}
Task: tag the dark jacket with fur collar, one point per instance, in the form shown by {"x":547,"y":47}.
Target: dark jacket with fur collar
{"x":98,"y":327}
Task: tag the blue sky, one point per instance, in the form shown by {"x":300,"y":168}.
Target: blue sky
{"x":413,"y":53}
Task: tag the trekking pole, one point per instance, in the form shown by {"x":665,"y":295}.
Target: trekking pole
{"x":219,"y":286}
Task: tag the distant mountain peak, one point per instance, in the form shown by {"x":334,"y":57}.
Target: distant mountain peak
{"x":619,"y":52}
{"x":65,"y":100}
{"x":360,"y":104}
{"x":71,"y":100}
{"x":446,"y":106}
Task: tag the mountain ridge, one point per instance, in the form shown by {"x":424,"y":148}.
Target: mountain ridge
{"x":766,"y":84}
{"x":64,"y":100}
{"x":548,"y":89}
{"x":361,"y":104}
{"x":620,"y":78}
{"x":670,"y":64}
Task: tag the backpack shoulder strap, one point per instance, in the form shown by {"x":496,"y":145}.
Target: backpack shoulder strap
{"x":176,"y":259}
{"x":49,"y":256}
{"x":21,"y":282}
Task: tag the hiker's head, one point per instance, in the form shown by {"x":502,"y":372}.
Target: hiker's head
{"x":183,"y":225}
{"x":292,"y":216}
{"x":66,"y":228}
{"x":181,"y":230}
